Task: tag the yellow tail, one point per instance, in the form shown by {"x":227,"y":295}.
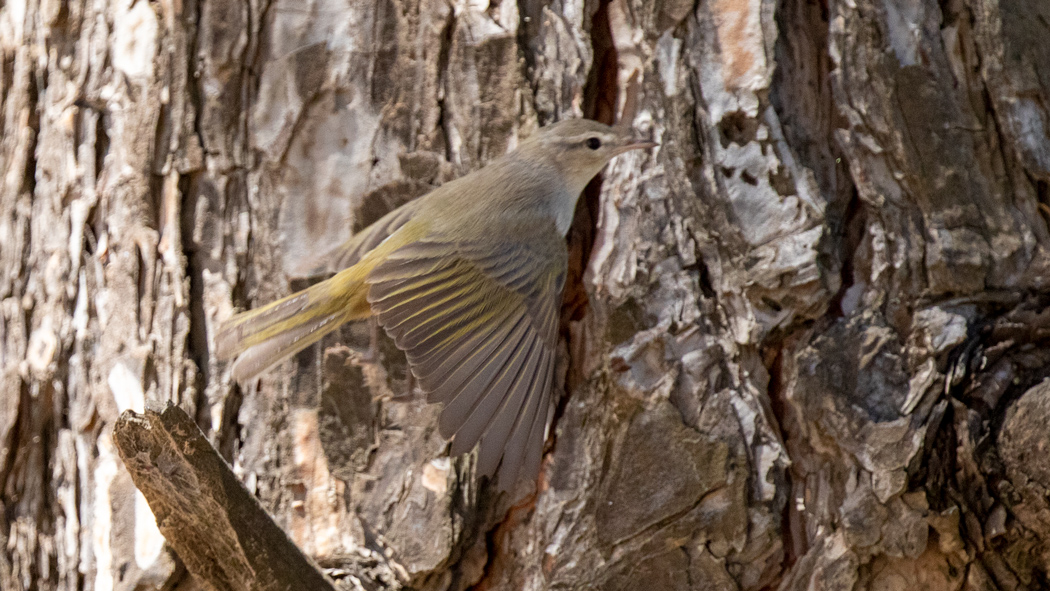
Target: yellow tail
{"x":263,"y":337}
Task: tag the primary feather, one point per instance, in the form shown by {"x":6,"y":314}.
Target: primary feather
{"x":478,"y":324}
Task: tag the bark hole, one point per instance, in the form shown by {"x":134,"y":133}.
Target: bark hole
{"x":600,"y":97}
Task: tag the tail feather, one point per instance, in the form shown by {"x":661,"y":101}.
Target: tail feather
{"x":263,"y":337}
{"x":258,"y":358}
{"x":245,"y":330}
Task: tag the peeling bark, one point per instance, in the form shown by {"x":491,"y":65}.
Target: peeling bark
{"x":803,"y":340}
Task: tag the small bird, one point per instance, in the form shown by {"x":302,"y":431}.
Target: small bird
{"x":467,"y":280}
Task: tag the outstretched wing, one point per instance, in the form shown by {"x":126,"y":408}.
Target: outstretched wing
{"x":478,"y":323}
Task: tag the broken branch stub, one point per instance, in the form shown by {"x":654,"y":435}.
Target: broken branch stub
{"x":209,"y":518}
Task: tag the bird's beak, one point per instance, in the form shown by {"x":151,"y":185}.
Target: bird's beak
{"x":635,"y":144}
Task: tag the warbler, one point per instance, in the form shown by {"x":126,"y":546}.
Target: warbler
{"x":467,"y":280}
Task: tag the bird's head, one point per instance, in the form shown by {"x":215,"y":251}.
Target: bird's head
{"x":580,"y":148}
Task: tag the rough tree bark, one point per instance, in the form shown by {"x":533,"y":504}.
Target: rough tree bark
{"x":804,"y":339}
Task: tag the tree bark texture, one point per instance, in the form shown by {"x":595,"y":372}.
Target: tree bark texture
{"x":804,"y":339}
{"x":205,"y":513}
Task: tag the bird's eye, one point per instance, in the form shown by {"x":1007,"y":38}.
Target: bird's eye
{"x":594,"y":143}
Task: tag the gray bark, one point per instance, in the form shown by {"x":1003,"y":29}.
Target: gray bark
{"x":804,"y":340}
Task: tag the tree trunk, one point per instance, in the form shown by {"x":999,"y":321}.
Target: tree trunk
{"x":804,"y":339}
